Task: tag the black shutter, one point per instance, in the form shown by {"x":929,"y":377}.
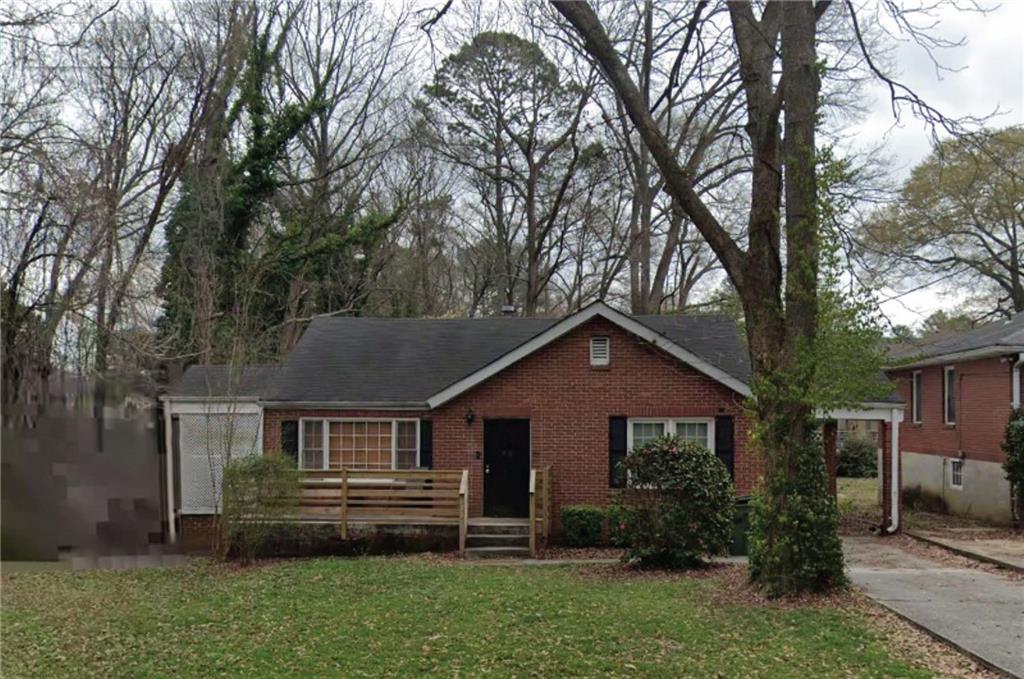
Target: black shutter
{"x":724,"y":446}
{"x":616,"y":451}
{"x":290,"y":439}
{"x":426,"y":444}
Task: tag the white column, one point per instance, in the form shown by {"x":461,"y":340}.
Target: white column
{"x":172,"y":534}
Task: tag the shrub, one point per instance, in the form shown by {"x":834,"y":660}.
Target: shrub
{"x":618,"y":524}
{"x":258,"y":491}
{"x":794,"y":545}
{"x":581,"y":525}
{"x":679,"y":505}
{"x":1013,"y":446}
{"x":918,"y":499}
{"x":857,"y":459}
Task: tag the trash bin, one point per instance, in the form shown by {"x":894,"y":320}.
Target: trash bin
{"x":740,"y":526}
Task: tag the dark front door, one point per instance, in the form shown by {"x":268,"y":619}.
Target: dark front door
{"x":506,"y":467}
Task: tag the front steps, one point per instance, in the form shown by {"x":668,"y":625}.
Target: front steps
{"x":498,"y":539}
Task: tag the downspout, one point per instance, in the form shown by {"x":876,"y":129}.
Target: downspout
{"x":896,"y":415}
{"x":1016,"y":380}
{"x":172,"y":535}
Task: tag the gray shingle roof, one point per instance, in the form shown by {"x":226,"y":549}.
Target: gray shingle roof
{"x":1001,"y":334}
{"x":713,"y":337}
{"x":397,"y":360}
{"x":217,"y":381}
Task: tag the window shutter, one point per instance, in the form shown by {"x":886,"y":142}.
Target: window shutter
{"x":616,"y":451}
{"x":724,"y":441}
{"x":427,"y":444}
{"x":290,"y":439}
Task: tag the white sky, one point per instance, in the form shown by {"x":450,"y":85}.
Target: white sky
{"x":992,"y":77}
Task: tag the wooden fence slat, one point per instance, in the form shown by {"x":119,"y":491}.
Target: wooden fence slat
{"x":344,"y":504}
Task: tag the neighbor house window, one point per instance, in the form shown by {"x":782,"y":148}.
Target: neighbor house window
{"x":949,"y":394}
{"x":696,"y":430}
{"x":956,"y":473}
{"x":359,"y":444}
{"x":915,"y":397}
{"x":600,"y":350}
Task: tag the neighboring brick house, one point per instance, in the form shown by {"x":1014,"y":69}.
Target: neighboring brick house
{"x":500,"y":396}
{"x":961,"y":389}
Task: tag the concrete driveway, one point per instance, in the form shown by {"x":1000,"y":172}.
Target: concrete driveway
{"x":980,"y":611}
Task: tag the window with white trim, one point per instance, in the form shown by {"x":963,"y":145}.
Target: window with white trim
{"x":359,"y":444}
{"x":915,"y":397}
{"x":949,"y":394}
{"x":698,"y":430}
{"x":956,"y":473}
{"x":600,"y":350}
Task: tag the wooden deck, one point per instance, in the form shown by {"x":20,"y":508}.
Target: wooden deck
{"x":349,"y":497}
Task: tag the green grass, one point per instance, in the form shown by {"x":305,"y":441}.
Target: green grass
{"x":379,"y":616}
{"x":858,"y":499}
{"x":860,"y":492}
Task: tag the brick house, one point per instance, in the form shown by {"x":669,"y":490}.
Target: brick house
{"x":501,"y":396}
{"x":961,"y":389}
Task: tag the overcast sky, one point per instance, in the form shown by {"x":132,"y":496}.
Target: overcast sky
{"x":992,"y":77}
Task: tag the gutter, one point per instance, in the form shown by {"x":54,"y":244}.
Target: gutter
{"x":989,"y":351}
{"x":1016,"y":380}
{"x":895,"y":417}
{"x":347,"y":405}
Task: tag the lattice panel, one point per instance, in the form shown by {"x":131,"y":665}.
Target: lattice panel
{"x":206,"y":442}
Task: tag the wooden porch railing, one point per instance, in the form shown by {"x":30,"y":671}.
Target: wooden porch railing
{"x":540,"y":506}
{"x":387,"y":497}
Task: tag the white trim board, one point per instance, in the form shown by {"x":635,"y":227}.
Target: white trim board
{"x":991,"y":351}
{"x":214,"y":407}
{"x":572,"y":322}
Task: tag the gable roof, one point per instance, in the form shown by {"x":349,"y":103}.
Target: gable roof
{"x":217,"y":381}
{"x":991,"y":339}
{"x":396,"y":362}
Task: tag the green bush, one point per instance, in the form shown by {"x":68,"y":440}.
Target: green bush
{"x":581,"y":525}
{"x":857,"y":459}
{"x":679,"y":504}
{"x":1013,"y":446}
{"x":618,"y":524}
{"x":794,"y":544}
{"x":258,"y":491}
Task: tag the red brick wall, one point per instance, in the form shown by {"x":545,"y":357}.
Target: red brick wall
{"x":568,"y":403}
{"x":198,"y":533}
{"x":984,"y":394}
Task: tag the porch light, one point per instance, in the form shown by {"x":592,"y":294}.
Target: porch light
{"x":470,"y":416}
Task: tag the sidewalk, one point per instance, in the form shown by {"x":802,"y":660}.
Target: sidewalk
{"x":979,"y":612}
{"x":1002,"y":552}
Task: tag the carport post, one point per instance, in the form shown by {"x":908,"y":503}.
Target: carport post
{"x":172,"y":535}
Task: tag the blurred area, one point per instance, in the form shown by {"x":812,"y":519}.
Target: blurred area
{"x":82,"y":474}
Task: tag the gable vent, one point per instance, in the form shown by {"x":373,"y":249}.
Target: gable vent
{"x":600,"y":350}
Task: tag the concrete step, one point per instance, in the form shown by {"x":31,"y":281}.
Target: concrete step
{"x":497,"y":540}
{"x":497,"y":552}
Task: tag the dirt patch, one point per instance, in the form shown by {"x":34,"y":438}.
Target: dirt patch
{"x":918,"y":648}
{"x":552,"y":553}
{"x":960,"y":525}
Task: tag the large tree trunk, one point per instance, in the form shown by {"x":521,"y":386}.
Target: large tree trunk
{"x":781,"y":311}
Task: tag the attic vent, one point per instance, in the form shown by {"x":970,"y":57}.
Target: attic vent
{"x":600,"y":350}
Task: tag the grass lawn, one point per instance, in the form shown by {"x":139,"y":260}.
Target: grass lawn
{"x":858,"y":499}
{"x":392,"y":616}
